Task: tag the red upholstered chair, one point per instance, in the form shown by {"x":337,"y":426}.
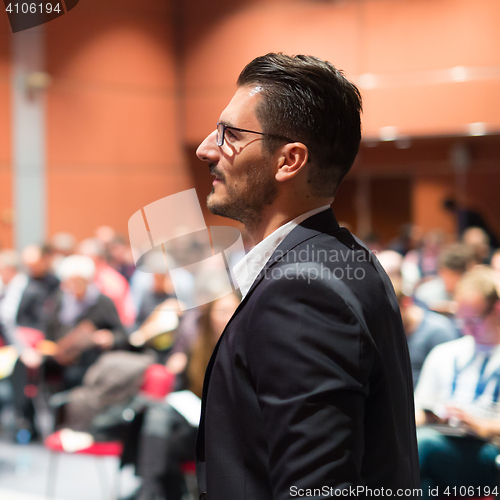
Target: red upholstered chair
{"x":96,"y":449}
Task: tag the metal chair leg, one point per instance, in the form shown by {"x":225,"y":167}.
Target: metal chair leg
{"x":52,"y":475}
{"x":101,"y":472}
{"x":117,"y":485}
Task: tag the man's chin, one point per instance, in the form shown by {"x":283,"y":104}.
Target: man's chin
{"x":217,"y":207}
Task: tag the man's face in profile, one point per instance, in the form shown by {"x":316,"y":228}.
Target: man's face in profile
{"x":244,"y":180}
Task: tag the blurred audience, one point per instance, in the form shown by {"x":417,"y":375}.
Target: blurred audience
{"x":460,"y":386}
{"x":437,"y":293}
{"x":42,"y":283}
{"x":81,"y":321}
{"x":161,"y":290}
{"x":168,"y":433}
{"x":14,"y":304}
{"x":479,"y":242}
{"x":92,"y":312}
{"x":391,"y":261}
{"x":467,"y":217}
{"x":409,"y":238}
{"x":120,"y":257}
{"x":14,"y":282}
{"x":424,"y":329}
{"x":62,"y":245}
{"x":109,"y":281}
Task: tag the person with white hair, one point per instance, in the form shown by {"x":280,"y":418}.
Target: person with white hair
{"x":81,"y":321}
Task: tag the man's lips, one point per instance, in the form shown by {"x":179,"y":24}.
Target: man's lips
{"x":218,"y":177}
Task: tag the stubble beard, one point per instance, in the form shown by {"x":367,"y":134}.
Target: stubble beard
{"x":247,"y":207}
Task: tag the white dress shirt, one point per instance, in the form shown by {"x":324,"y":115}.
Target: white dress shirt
{"x":464,"y":374}
{"x":249,"y":267}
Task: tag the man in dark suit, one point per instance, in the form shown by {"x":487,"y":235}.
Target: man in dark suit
{"x":309,"y":389}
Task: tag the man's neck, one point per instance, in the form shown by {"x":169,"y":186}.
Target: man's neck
{"x":490,"y":337}
{"x":274,"y":217}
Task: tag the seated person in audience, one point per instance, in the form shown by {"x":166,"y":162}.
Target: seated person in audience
{"x":167,"y":437}
{"x":81,"y":321}
{"x":161,"y":291}
{"x":13,"y":283}
{"x":13,"y":305}
{"x":460,"y":386}
{"x":478,"y":240}
{"x":120,"y":256}
{"x":437,"y":293}
{"x":42,"y":283}
{"x":424,"y":329}
{"x":109,"y":281}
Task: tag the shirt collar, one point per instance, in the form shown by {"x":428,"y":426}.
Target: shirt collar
{"x":249,"y":267}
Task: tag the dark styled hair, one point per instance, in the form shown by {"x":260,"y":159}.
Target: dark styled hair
{"x":308,"y":100}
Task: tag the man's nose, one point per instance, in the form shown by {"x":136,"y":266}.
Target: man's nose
{"x":208,"y":149}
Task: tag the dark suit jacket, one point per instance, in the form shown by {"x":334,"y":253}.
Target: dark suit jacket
{"x":310,"y":384}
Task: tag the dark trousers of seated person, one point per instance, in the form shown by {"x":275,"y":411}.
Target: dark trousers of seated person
{"x":23,"y":404}
{"x":447,"y":461}
{"x":166,"y":441}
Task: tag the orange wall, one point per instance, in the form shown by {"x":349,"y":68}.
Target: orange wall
{"x":483,"y":190}
{"x":409,"y":47}
{"x":427,"y":198}
{"x":5,"y":137}
{"x":136,"y":87}
{"x":112,"y":114}
{"x":428,"y":165}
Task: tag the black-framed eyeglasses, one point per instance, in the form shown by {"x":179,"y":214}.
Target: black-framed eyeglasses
{"x":221,"y":132}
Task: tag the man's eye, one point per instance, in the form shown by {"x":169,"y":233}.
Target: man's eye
{"x":229,"y":135}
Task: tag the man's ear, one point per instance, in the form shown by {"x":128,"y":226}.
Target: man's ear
{"x":292,"y":158}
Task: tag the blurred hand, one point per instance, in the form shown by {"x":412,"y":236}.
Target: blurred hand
{"x":31,"y":358}
{"x":103,"y":339}
{"x":177,"y":362}
{"x":485,"y":428}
